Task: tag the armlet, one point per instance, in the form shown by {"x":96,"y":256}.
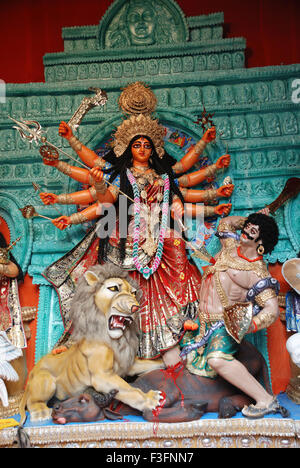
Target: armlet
{"x":263,"y":290}
{"x":264,"y":296}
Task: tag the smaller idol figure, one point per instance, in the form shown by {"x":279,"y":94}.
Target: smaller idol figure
{"x":12,"y":339}
{"x":237,"y":296}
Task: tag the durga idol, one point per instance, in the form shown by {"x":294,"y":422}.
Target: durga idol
{"x":155,"y":183}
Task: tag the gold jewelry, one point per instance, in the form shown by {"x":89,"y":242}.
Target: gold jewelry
{"x":100,"y":187}
{"x":210,"y":195}
{"x":100,"y":162}
{"x":93,"y":193}
{"x":141,"y":168}
{"x":139,"y":125}
{"x":65,"y":199}
{"x":75,"y":144}
{"x":178,"y":168}
{"x":225,"y":226}
{"x":264,"y":296}
{"x":184,"y":180}
{"x":260,"y":249}
{"x":210,"y":170}
{"x":199,"y":146}
{"x":137,"y":98}
{"x":265,"y":318}
{"x":114,"y":191}
{"x":78,"y":218}
{"x":226,"y":260}
{"x":29,"y":313}
{"x":147,"y":177}
{"x":64,"y":167}
{"x":4,"y":269}
{"x":209,"y":211}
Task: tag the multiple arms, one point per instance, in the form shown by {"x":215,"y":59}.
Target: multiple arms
{"x":100,"y":193}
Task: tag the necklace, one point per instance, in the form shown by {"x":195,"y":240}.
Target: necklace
{"x":147,"y":271}
{"x":141,"y":168}
{"x":246,"y":258}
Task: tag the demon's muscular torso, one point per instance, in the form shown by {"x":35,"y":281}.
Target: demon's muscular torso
{"x":229,"y":280}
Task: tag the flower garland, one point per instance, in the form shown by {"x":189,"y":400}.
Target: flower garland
{"x":147,"y":271}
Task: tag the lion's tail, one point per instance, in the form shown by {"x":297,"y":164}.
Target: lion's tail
{"x":22,"y":407}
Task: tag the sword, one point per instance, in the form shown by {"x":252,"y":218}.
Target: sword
{"x":99,"y":99}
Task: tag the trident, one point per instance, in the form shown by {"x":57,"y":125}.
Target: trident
{"x":31,"y":130}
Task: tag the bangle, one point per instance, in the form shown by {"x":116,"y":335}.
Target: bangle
{"x":210,"y":195}
{"x":209,"y":211}
{"x":210,"y":170}
{"x":75,"y":143}
{"x":65,"y":199}
{"x":78,"y":218}
{"x":200,"y":146}
{"x":101,"y":186}
{"x":64,"y":167}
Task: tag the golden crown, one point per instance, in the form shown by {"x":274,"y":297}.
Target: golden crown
{"x":139,"y":101}
{"x":137,"y":98}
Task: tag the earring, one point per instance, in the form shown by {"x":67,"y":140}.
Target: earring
{"x":260,"y":249}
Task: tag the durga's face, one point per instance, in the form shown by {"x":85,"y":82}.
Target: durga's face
{"x":141,"y":150}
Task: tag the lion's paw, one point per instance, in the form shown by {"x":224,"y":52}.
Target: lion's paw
{"x":40,"y":414}
{"x":153,"y":399}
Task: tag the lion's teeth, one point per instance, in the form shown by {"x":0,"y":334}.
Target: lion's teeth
{"x":119,"y":321}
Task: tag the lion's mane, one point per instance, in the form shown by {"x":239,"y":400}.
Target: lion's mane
{"x":91,"y":323}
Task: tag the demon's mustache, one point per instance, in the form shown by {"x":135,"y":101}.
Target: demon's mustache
{"x":248,"y":235}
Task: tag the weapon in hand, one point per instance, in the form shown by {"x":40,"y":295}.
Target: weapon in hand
{"x":290,"y":190}
{"x":29,"y":212}
{"x":37,"y":189}
{"x":99,"y":99}
{"x":31,"y":130}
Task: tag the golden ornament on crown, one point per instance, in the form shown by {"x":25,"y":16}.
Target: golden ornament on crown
{"x":139,"y":101}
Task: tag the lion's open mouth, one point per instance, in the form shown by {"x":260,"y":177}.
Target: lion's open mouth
{"x":119,"y":321}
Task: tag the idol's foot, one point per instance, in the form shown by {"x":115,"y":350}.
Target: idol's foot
{"x":255,"y":411}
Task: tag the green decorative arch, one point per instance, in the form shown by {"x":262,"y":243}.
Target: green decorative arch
{"x":18,"y":227}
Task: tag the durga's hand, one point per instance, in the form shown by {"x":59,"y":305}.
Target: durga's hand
{"x":48,"y":198}
{"x":209,"y":135}
{"x":50,"y":161}
{"x":223,"y":209}
{"x":223,"y":161}
{"x":97,"y":174}
{"x":62,"y":222}
{"x":65,"y":131}
{"x":177,"y":210}
{"x":225,"y":190}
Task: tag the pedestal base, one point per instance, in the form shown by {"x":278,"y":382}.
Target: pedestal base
{"x":204,"y":433}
